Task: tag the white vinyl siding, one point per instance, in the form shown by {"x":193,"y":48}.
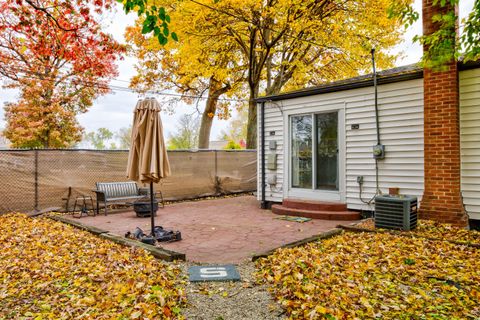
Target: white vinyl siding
{"x":470,"y":140}
{"x":401,"y":130}
{"x":273,"y":123}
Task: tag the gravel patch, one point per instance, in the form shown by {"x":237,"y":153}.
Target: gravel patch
{"x":231,"y":300}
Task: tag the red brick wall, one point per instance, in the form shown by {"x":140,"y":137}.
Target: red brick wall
{"x":442,"y":199}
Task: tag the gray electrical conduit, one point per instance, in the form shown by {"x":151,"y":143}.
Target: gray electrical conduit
{"x":377,"y":123}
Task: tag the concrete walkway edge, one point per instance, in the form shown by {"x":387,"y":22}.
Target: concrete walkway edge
{"x":324,"y":235}
{"x":77,"y":224}
{"x":157,"y":252}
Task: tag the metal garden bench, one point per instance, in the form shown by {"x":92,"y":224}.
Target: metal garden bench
{"x":118,"y":191}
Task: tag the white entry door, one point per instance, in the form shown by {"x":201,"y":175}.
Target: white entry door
{"x":315,"y":157}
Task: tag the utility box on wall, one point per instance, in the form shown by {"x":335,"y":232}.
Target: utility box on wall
{"x":272,"y":145}
{"x":272,"y":179}
{"x":396,"y":212}
{"x":272,"y":162}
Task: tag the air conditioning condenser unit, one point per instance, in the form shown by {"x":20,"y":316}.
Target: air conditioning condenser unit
{"x":396,"y":212}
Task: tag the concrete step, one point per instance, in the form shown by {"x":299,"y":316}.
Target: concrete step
{"x":314,"y":205}
{"x":316,"y":214}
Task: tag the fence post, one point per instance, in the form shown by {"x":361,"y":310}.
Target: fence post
{"x":216,"y":163}
{"x":217,"y":181}
{"x":36,"y":180}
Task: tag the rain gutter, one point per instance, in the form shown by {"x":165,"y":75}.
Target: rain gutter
{"x":263,"y":203}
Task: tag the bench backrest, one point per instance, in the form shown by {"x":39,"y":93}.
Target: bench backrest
{"x":118,"y":189}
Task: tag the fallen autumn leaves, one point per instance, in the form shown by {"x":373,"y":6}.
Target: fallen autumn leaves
{"x":376,"y":275}
{"x":432,"y":230}
{"x":52,"y":271}
{"x":49,"y":270}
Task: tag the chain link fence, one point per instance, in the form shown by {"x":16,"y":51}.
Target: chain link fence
{"x":42,"y":179}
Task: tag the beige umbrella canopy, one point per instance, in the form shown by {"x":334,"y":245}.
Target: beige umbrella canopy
{"x":148,"y":159}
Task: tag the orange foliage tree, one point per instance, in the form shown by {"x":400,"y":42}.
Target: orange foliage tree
{"x":55,"y":53}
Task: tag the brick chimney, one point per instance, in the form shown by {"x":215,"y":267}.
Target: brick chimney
{"x":442,"y":199}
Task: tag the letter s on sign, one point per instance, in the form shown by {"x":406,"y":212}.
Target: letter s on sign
{"x":213,"y":272}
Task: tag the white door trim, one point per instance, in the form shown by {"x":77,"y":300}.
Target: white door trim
{"x":312,"y":194}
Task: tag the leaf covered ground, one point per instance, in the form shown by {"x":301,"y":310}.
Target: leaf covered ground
{"x":434,"y":230}
{"x":49,"y":270}
{"x":376,"y":276}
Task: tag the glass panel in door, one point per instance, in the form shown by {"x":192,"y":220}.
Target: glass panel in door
{"x":327,"y":151}
{"x":301,"y":151}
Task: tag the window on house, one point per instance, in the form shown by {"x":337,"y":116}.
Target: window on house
{"x":302,"y":151}
{"x":314,"y":157}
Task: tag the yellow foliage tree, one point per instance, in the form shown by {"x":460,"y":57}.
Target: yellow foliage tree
{"x":293,"y":43}
{"x":193,"y":66}
{"x":282,"y":44}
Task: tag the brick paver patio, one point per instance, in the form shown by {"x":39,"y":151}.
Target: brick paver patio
{"x":227,"y":230}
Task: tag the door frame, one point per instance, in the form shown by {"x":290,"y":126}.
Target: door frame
{"x":314,"y":194}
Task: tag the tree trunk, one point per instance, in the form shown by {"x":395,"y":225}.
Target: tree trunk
{"x":215,"y":90}
{"x":46,"y":140}
{"x":252,"y":119}
{"x":47,"y":101}
{"x":206,"y":124}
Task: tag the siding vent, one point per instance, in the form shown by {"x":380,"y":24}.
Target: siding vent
{"x":396,"y":212}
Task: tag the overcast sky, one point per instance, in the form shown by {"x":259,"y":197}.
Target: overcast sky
{"x":114,"y":110}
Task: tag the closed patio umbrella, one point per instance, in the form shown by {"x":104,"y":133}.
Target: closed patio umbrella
{"x":148,"y":159}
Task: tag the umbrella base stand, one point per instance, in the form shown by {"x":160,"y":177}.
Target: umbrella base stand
{"x":148,"y":240}
{"x":160,"y":235}
{"x":164,"y":235}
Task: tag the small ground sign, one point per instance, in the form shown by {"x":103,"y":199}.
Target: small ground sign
{"x":213,"y":273}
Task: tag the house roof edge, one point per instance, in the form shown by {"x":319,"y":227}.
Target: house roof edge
{"x":404,"y":73}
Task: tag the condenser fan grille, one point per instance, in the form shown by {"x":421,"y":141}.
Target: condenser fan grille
{"x":396,"y":212}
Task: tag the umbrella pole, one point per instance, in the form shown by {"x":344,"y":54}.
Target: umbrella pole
{"x":151,"y":209}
